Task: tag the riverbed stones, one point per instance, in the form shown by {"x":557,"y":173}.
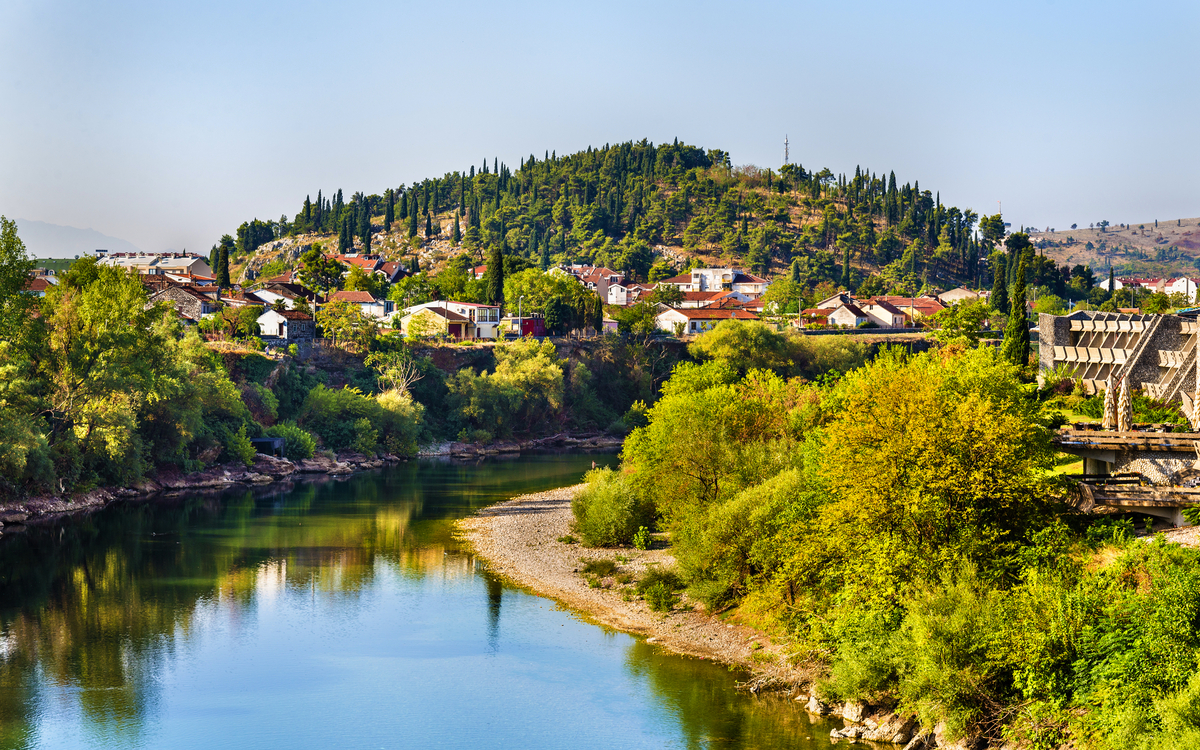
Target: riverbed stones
{"x":816,"y":706}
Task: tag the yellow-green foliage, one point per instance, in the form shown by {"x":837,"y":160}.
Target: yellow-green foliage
{"x":525,"y":392}
{"x":609,"y":510}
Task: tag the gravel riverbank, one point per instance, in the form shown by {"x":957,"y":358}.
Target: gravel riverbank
{"x":519,"y":540}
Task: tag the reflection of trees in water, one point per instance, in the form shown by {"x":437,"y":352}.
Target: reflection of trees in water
{"x":90,"y":608}
{"x":93,"y":605}
{"x":710,"y":712}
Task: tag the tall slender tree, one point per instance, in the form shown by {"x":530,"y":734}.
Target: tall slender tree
{"x":388,"y":210}
{"x":457,"y":236}
{"x":495,"y":275}
{"x":223,"y":268}
{"x":412,"y":220}
{"x":999,"y":283}
{"x":1016,"y":334}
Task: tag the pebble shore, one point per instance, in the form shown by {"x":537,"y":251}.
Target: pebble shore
{"x":519,"y":540}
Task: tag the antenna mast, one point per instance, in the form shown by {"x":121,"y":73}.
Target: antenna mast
{"x":786,"y":154}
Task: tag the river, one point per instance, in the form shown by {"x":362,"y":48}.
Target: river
{"x":335,"y":614}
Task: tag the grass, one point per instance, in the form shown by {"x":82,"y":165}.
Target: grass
{"x":568,"y":539}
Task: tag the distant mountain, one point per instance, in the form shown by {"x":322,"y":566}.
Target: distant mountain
{"x":44,"y":240}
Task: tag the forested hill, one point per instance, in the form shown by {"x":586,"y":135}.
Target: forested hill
{"x":630,"y":205}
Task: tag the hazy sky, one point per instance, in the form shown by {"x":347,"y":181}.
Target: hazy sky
{"x":168,"y":124}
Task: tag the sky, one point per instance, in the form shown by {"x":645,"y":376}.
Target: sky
{"x":167,"y":124}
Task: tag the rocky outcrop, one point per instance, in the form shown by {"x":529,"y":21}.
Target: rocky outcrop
{"x":864,"y":722}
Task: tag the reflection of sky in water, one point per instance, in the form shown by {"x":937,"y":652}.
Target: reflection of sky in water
{"x":339,"y":615}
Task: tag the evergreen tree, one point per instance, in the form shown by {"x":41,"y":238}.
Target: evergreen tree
{"x":457,"y":236}
{"x":223,"y":268}
{"x":388,"y":210}
{"x":1016,"y":334}
{"x":214,"y":258}
{"x":795,"y":271}
{"x":307,"y":211}
{"x":1112,"y":286}
{"x":428,"y":225}
{"x":364,"y":226}
{"x":412,"y":221}
{"x":495,"y":275}
{"x":999,"y":285}
{"x":404,"y":205}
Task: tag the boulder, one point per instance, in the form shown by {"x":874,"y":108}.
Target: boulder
{"x":815,"y":706}
{"x":921,"y":741}
{"x":890,"y":728}
{"x":853,"y":712}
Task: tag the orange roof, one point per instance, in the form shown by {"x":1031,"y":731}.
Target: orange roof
{"x":708,"y":313}
{"x":353,"y":296}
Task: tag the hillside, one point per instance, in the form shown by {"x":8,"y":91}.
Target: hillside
{"x":1170,"y":248}
{"x":633,"y":206}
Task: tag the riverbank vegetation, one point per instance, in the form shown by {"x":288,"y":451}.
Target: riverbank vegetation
{"x":902,"y":527}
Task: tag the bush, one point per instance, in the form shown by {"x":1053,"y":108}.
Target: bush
{"x":601,"y":567}
{"x":608,"y":511}
{"x":239,"y":447}
{"x":658,"y":587}
{"x":298,"y":443}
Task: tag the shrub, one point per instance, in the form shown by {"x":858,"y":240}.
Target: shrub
{"x":399,"y":422}
{"x":366,"y":437}
{"x":608,"y":511}
{"x":298,"y":444}
{"x":239,"y":447}
{"x":658,"y":587}
{"x":641,"y":538}
{"x":602,"y":567}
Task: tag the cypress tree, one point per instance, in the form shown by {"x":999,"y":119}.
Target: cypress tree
{"x":1112,"y":286}
{"x":412,"y":221}
{"x":795,"y":272}
{"x":457,"y":231}
{"x":1016,"y":333}
{"x":388,"y":211}
{"x":307,"y":211}
{"x":495,"y":275}
{"x":999,"y":287}
{"x":428,"y":225}
{"x":404,"y":205}
{"x":223,"y":268}
{"x":364,"y":226}
{"x":214,"y":259}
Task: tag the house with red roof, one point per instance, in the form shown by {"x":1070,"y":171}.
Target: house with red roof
{"x":688,"y":321}
{"x":289,"y":325}
{"x":458,"y":320}
{"x":367,"y":304}
{"x":719,"y":280}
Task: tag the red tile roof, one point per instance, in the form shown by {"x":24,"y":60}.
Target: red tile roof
{"x":353,"y":296}
{"x":707,"y":313}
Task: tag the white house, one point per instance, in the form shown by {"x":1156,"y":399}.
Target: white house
{"x":696,"y":320}
{"x":370,"y":307}
{"x":1182,"y":285}
{"x":719,"y":280}
{"x":958,"y":294}
{"x":463,"y":320}
{"x":289,"y":325}
{"x":836,"y":301}
{"x":156,"y":263}
{"x":885,"y":315}
{"x":848,"y":315}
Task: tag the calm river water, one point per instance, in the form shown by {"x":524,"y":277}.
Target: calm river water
{"x":335,"y":614}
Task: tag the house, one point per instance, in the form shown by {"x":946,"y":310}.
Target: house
{"x":479,"y":271}
{"x":459,"y":320}
{"x":884,"y":314}
{"x":189,"y":278}
{"x":693,"y":300}
{"x":188,"y":301}
{"x":695,"y":320}
{"x":719,"y":279}
{"x":958,"y":294}
{"x":290,"y":293}
{"x":848,"y":316}
{"x":391,"y":271}
{"x":530,"y":325}
{"x":837,"y":300}
{"x":1182,"y":285}
{"x":288,"y":325}
{"x":158,"y":263}
{"x":814,"y":316}
{"x":39,"y":285}
{"x":367,"y":304}
{"x":914,"y":307}
{"x":366,"y":263}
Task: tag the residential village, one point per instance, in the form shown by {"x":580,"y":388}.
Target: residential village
{"x":705,"y":297}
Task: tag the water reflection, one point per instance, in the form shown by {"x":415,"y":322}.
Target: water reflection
{"x":156,"y":624}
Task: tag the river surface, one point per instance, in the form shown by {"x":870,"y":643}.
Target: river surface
{"x":335,"y":614}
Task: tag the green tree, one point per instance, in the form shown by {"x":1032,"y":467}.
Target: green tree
{"x":667,"y":294}
{"x":223,"y":268}
{"x":319,"y":273}
{"x":495,"y":276}
{"x":15,"y":267}
{"x":389,"y":215}
{"x":1016,"y":334}
{"x":999,"y":299}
